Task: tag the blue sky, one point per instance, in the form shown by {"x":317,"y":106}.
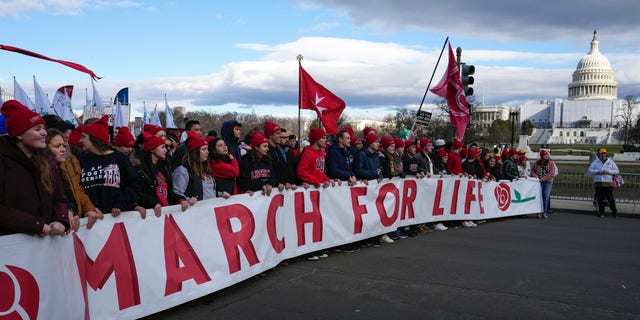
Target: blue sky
{"x":376,"y":55}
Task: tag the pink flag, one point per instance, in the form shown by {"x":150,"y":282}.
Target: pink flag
{"x":450,"y":87}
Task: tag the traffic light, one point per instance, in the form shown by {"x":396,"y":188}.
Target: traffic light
{"x":467,"y":79}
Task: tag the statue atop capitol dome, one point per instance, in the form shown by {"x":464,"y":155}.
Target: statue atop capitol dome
{"x":593,"y":77}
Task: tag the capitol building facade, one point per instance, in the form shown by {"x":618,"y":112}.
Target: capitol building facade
{"x":589,"y":115}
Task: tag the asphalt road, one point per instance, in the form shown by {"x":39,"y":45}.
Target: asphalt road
{"x":572,"y":266}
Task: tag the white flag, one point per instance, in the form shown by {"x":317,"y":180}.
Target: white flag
{"x":145,"y":116}
{"x":118,"y":117}
{"x":97,"y":100}
{"x":43,"y":105}
{"x":155,"y":118}
{"x":20,"y":95}
{"x":168,"y":115}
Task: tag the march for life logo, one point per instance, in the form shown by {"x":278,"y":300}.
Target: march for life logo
{"x":503,"y":196}
{"x":20,"y":294}
{"x":108,"y":176}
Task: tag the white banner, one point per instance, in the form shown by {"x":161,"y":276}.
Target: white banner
{"x":127,"y":268}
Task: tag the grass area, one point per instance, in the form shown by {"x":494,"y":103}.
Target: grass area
{"x":575,"y":166}
{"x":563,"y":149}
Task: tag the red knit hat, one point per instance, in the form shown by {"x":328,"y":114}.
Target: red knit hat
{"x":442,"y":153}
{"x":409,"y":143}
{"x":367,"y":130}
{"x":99,"y":129}
{"x":544,"y":152}
{"x":513,"y":152}
{"x":19,"y":118}
{"x":194,"y":141}
{"x":505,"y":153}
{"x":355,"y":141}
{"x":316,"y":134}
{"x":386,"y":142}
{"x":76,"y":135}
{"x":151,"y":128}
{"x":270,"y":128}
{"x":457,"y":144}
{"x":463,"y":152}
{"x":151,"y":141}
{"x":399,"y":143}
{"x":424,"y":142}
{"x":370,"y":138}
{"x":124,"y":138}
{"x":349,"y":130}
{"x":472,"y":153}
{"x":257,"y":139}
{"x":522,"y":158}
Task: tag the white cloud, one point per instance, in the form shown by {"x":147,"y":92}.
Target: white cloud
{"x":371,"y":77}
{"x":13,"y":8}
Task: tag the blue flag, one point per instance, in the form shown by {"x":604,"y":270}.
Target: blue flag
{"x":122,"y":96}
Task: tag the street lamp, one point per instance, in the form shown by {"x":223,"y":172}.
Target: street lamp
{"x":512,"y":116}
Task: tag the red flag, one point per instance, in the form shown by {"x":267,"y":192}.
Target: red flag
{"x":450,"y":88}
{"x":69,"y":64}
{"x":313,"y":96}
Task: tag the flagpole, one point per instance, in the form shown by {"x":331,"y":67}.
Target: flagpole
{"x":444,"y":45}
{"x":299,"y":57}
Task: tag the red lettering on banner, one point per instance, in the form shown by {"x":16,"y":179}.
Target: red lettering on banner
{"x":178,"y":249}
{"x":437,"y":210}
{"x":480,"y":198}
{"x":469,"y":196}
{"x":277,"y":244}
{"x":116,"y":258}
{"x":409,"y":193}
{"x":302,"y":217}
{"x":21,"y":293}
{"x":231,"y":240}
{"x":358,"y":209}
{"x":382,"y":211}
{"x":454,"y":197}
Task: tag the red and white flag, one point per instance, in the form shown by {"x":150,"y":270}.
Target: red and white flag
{"x":62,"y":104}
{"x":314,"y":96}
{"x":450,"y":87}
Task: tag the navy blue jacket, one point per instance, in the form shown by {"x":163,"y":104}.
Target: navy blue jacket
{"x":340,"y":162}
{"x":233,"y":143}
{"x":368,"y":165}
{"x":110,"y":181}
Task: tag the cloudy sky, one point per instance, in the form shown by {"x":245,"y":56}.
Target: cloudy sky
{"x":376,"y":55}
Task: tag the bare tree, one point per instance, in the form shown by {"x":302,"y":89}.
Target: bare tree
{"x":627,"y":113}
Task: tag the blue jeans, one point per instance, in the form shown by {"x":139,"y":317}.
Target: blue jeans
{"x":546,"y":195}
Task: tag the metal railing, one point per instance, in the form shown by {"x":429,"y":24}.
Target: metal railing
{"x":577,"y":185}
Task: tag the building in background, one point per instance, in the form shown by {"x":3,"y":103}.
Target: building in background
{"x":591,"y":112}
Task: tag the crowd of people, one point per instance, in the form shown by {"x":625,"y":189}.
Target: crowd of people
{"x":59,"y":173}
